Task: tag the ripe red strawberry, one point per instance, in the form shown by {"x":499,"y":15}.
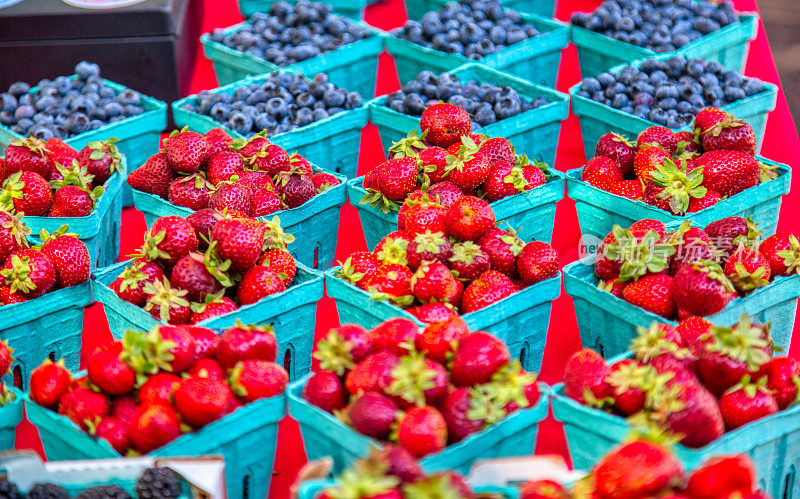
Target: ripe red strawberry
{"x":445,"y":193}
{"x":783,"y":379}
{"x":13,"y":234}
{"x":373,"y":373}
{"x":122,"y":409}
{"x":613,"y":286}
{"x":782,"y":251}
{"x":295,"y":189}
{"x":200,"y":401}
{"x":169,"y":239}
{"x":544,"y":489}
{"x":113,"y":431}
{"x":536,"y":262}
{"x":469,"y":218}
{"x":647,"y":160}
{"x":433,"y":282}
{"x":282,"y":262}
{"x":497,"y":149}
{"x":26,"y":192}
{"x":695,"y":333}
{"x":391,"y":281}
{"x":158,"y":389}
{"x":186,"y":151}
{"x":242,"y":342}
{"x":323,"y":181}
{"x":468,"y":168}
{"x":358,"y":268}
{"x":699,"y":421}
{"x":432,"y":312}
{"x":618,"y":149}
{"x":402,"y":465}
{"x":456,"y":409}
{"x":586,"y":378}
{"x":729,"y":172}
{"x":394,"y":335}
{"x":728,"y":233}
{"x":48,"y":382}
{"x":325,"y":390}
{"x":427,"y":246}
{"x":422,"y":431}
{"x":468,"y":261}
{"x":393,"y":248}
{"x":192,"y":191}
{"x":686,"y":144}
{"x":26,"y":155}
{"x":200,"y":275}
{"x":711,"y":198}
{"x":153,"y":426}
{"x":69,"y":256}
{"x":657,"y":136}
{"x":255,"y":379}
{"x":637,"y":469}
{"x":373,"y":415}
{"x":707,"y":118}
{"x":477,"y":357}
{"x":434,"y":163}
{"x":270,"y":158}
{"x":602,"y":172}
{"x":101,"y":159}
{"x":264,"y":202}
{"x":506,"y":179}
{"x":654,"y":293}
{"x":746,"y":402}
{"x":239,"y":240}
{"x":232,"y":197}
{"x":217,"y":140}
{"x":251,"y":146}
{"x":397,"y":178}
{"x":28,"y":272}
{"x":444,"y":124}
{"x":58,"y":153}
{"x":631,"y":189}
{"x":256,"y":180}
{"x":747,"y":270}
{"x":130,"y":284}
{"x":732,"y":134}
{"x":106,"y":369}
{"x":722,"y":477}
{"x":648,"y":224}
{"x":503,"y":249}
{"x":661,"y":346}
{"x":153,"y":177}
{"x":167,"y":304}
{"x":258,"y":283}
{"x":71,"y":201}
{"x":489,"y":288}
{"x":691,"y":245}
{"x":702,"y":289}
{"x":83,"y":406}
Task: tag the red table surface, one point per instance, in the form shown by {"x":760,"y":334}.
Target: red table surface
{"x":781,"y":144}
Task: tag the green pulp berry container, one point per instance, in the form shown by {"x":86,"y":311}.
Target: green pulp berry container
{"x":10,"y":417}
{"x":324,"y":435}
{"x":592,"y":433}
{"x":545,"y":8}
{"x":332,"y":143}
{"x":597,"y":119}
{"x":246,"y":438}
{"x":100,"y":231}
{"x":532,"y":213}
{"x":534,"y":132}
{"x":520,"y":320}
{"x":353,"y":66}
{"x":349,"y":8}
{"x":607,"y":323}
{"x":312,"y":489}
{"x":728,"y":46}
{"x":534,"y":59}
{"x":291,"y":313}
{"x":315,"y":223}
{"x":599,"y":210}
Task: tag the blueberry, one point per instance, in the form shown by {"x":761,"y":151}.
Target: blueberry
{"x":484,"y":115}
{"x":619,"y":101}
{"x":77,"y":123}
{"x":733,"y":94}
{"x":605,"y":79}
{"x":413,"y":105}
{"x":128,"y":97}
{"x":24,"y":111}
{"x":263,"y":122}
{"x":240,"y":122}
{"x":6,"y":118}
{"x":131,"y":110}
{"x":668,"y":103}
{"x":19,"y":88}
{"x":684,"y":107}
{"x":306,"y":99}
{"x":753,"y":87}
{"x":7,"y":102}
{"x":303,"y":117}
{"x":659,"y":116}
{"x":277,"y":108}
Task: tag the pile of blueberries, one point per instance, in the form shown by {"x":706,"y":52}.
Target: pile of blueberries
{"x":279,"y":104}
{"x":486,"y":102}
{"x":63,"y":107}
{"x":660,"y":25}
{"x":292,"y":33}
{"x":472,"y":28}
{"x":669,"y":92}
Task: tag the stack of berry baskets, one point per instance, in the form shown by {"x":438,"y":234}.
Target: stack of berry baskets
{"x":705,"y":174}
{"x":649,"y":272}
{"x":350,"y":8}
{"x":444,"y":162}
{"x":524,"y":45}
{"x":391,"y":384}
{"x":173,"y":391}
{"x":706,"y":30}
{"x":214,"y":270}
{"x":347,"y":51}
{"x":329,"y":135}
{"x":709,"y":388}
{"x":528,"y":115}
{"x":212,"y":174}
{"x":668,"y":91}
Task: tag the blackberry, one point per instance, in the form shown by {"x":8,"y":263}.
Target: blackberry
{"x":48,"y":491}
{"x":158,"y":483}
{"x":8,"y":490}
{"x":104,"y":492}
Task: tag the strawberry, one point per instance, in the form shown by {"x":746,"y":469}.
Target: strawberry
{"x":169,"y":239}
{"x":432,"y":312}
{"x":695,"y":333}
{"x":469,"y":218}
{"x":232,"y":197}
{"x":257,"y":283}
{"x":373,"y":415}
{"x":707,"y":118}
{"x":782,"y":375}
{"x":270,"y":158}
{"x":673,"y":186}
{"x":601,"y":172}
{"x":729,"y":233}
{"x":506,"y":179}
{"x":647,"y":160}
{"x":747,"y":270}
{"x":422,"y":431}
{"x":264,"y":202}
{"x":399,"y":463}
{"x":26,"y":193}
{"x":430,"y":247}
{"x":444,"y":484}
{"x":192,"y":191}
{"x":323,"y":181}
{"x":393,"y":248}
{"x":153,"y":177}
{"x":295,"y":189}
{"x":469,"y":167}
{"x":200,"y":401}
{"x":158,"y":389}
{"x":434,"y":163}
{"x":433,"y":282}
{"x":372,"y":374}
{"x":71,"y":201}
{"x":691,"y":245}
{"x":468,"y":261}
{"x":489,"y":288}
{"x":445,"y":193}
{"x":782,"y":251}
{"x":205,"y":341}
{"x":358,"y":268}
{"x":618,"y":149}
{"x":657,"y":136}
{"x":325,"y":390}
{"x":631,"y":382}
{"x":614,"y":286}
{"x":711,"y":198}
{"x":536,"y":262}
{"x":239,"y":240}
{"x":702,"y":289}
{"x":167,"y":304}
{"x":391,"y":281}
{"x":28,"y":272}
{"x":497,"y":149}
{"x":242,"y":342}
{"x":395,"y":335}
{"x":422,"y":217}
{"x":27,"y":155}
{"x":48,"y":383}
{"x":122,"y":408}
{"x":544,"y":489}
{"x":631,"y":189}
{"x":203,"y":221}
{"x":412,"y":145}
{"x":207,"y":368}
{"x":113,"y":431}
{"x":746,"y":402}
{"x":69,"y":255}
{"x":413,"y":198}
{"x":186,"y":151}
{"x":256,"y":180}
{"x":217,"y":140}
{"x":153,"y":426}
{"x":181,"y":343}
{"x":477,"y":357}
{"x":662,"y":344}
{"x":200,"y":275}
{"x":101,"y":159}
{"x":729,"y":172}
{"x":255,"y":379}
{"x":503,"y":248}
{"x":586,"y":378}
{"x":106,"y":369}
{"x":58,"y":153}
{"x":282,"y":262}
{"x":732,"y":134}
{"x":130,"y":284}
{"x":637,"y":469}
{"x":439,"y":339}
{"x":721,"y":476}
{"x":248,"y":148}
{"x":653,"y":293}
{"x":396,"y":178}
{"x":13,"y":234}
{"x":464,"y":415}
{"x":648,"y":224}
{"x":83,"y":406}
{"x":444,"y":124}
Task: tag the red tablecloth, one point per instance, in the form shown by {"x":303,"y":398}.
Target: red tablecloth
{"x":781,"y":144}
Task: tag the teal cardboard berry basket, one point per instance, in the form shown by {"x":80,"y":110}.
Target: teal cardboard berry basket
{"x":291,"y":313}
{"x":520,"y":320}
{"x":353,"y":66}
{"x":417,"y":8}
{"x":728,"y":46}
{"x":349,"y":8}
{"x":246,"y":438}
{"x":10,"y":417}
{"x":608,"y":323}
{"x":532,"y":213}
{"x":598,"y":119}
{"x":599,"y":210}
{"x":332,"y":143}
{"x":534,"y":59}
{"x":534,"y":132}
{"x":592,"y":433}
{"x":312,"y":489}
{"x":46,"y":327}
{"x":100,"y":231}
{"x":324,"y":435}
{"x":315,"y":223}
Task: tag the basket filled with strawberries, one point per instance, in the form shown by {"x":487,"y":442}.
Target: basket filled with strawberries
{"x":447,"y":395}
{"x":446,"y":162}
{"x":212,"y":173}
{"x":44,"y":287}
{"x":707,"y":388}
{"x":50,"y":184}
{"x":213,"y":272}
{"x":646,"y":273}
{"x":709,"y":173}
{"x":173,"y":391}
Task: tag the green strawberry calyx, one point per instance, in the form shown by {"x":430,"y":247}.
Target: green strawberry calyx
{"x":715,"y":273}
{"x":146,"y":353}
{"x":333,"y":353}
{"x":161,"y":295}
{"x":638,"y":257}
{"x":17,"y":278}
{"x":651,"y":342}
{"x":411,"y":377}
{"x":410,"y":145}
{"x":679,"y":186}
{"x":791,"y":256}
{"x":744,"y":342}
